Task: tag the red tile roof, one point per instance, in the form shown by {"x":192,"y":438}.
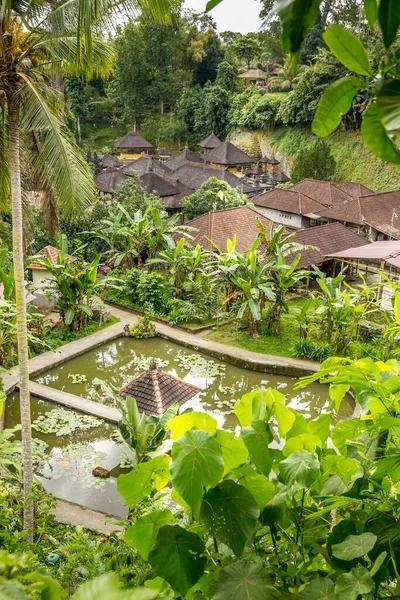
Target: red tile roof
{"x":327,"y":239}
{"x":218,"y":226}
{"x":52,"y":254}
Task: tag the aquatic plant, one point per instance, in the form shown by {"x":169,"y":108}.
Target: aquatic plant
{"x":142,"y":363}
{"x":199,"y":366}
{"x":64,"y":422}
{"x":77,"y":378}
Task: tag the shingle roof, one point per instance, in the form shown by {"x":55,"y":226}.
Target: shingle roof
{"x":227,"y":154}
{"x":194,"y":174}
{"x":159,"y":185}
{"x":145,"y":164}
{"x":323,"y":192}
{"x":353,"y":188}
{"x":254,"y":74}
{"x":288,"y":201}
{"x":328,"y":238}
{"x":180,"y":158}
{"x":134,"y":141}
{"x":221,"y":225}
{"x":155,"y":391}
{"x":108,"y":179}
{"x":108,"y":160}
{"x":377,"y":210}
{"x":52,"y":254}
{"x":210,"y":142}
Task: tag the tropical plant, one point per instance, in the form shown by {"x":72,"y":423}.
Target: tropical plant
{"x":283,"y":276}
{"x":143,"y":329}
{"x":245,"y":280}
{"x":213,"y":194}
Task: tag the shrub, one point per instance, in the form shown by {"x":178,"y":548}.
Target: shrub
{"x":212,"y":193}
{"x":143,"y":329}
{"x":152,"y":290}
{"x":319,"y":351}
{"x":314,"y":162}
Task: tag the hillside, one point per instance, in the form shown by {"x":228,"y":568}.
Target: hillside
{"x":354,"y":161}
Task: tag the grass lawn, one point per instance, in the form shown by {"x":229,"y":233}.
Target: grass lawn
{"x":280,"y":345}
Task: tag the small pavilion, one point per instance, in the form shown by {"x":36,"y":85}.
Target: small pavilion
{"x":209,"y":143}
{"x":227,"y":155}
{"x":155,"y":391}
{"x":132,"y":145}
{"x":252,"y":76}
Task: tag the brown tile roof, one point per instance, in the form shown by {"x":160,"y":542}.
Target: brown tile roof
{"x":288,"y":201}
{"x":107,"y":180}
{"x":52,"y":254}
{"x":377,"y":210}
{"x":354,"y":188}
{"x":145,"y":164}
{"x":155,"y":391}
{"x":133,"y":141}
{"x":210,"y":142}
{"x":323,"y":192}
{"x":194,"y":174}
{"x":227,"y":154}
{"x":328,"y":238}
{"x":179,"y":159}
{"x":221,"y":225}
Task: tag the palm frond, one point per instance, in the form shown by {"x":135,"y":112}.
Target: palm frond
{"x":63,"y":53}
{"x":59,"y":163}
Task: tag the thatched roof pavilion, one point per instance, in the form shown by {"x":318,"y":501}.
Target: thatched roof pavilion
{"x":132,"y":145}
{"x":210,"y":142}
{"x":155,"y":391}
{"x":227,"y":155}
{"x":254,"y":75}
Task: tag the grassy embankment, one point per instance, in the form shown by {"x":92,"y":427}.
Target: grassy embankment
{"x":354,"y":161}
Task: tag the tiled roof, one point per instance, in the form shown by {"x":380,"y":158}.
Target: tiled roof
{"x":227,"y":154}
{"x":354,"y":188}
{"x":323,"y":192}
{"x":145,"y":164}
{"x":288,"y":201}
{"x":194,"y":174}
{"x":210,"y":142}
{"x":52,"y":254}
{"x":328,"y":238}
{"x":133,"y":140}
{"x":380,"y":211}
{"x":218,"y":226}
{"x":108,"y":179}
{"x":179,"y":159}
{"x":155,"y":391}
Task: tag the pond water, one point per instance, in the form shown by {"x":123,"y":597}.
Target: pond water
{"x":67,"y":471}
{"x":221,"y":383}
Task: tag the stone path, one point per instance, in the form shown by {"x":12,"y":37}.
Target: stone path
{"x":73,"y":514}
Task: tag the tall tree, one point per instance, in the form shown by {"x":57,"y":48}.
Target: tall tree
{"x":37,"y":41}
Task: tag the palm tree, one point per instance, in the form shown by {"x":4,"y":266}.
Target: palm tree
{"x":39,"y":41}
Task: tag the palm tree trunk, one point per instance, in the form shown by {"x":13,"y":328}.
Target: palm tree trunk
{"x":20,"y":299}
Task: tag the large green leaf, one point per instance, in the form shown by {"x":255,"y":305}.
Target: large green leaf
{"x":260,"y":487}
{"x":249,"y":406}
{"x":275,"y":508}
{"x":107,"y":586}
{"x":178,"y":557}
{"x":192,"y":420}
{"x":348,"y":49}
{"x":230,"y":512}
{"x":257,"y":437}
{"x":143,"y":534}
{"x":389,"y":19}
{"x":304,"y":441}
{"x":318,"y":589}
{"x":196,"y":462}
{"x":349,"y":586}
{"x":284,"y":417}
{"x":143,"y":479}
{"x":320,"y":426}
{"x":299,"y":470}
{"x":375,"y":136}
{"x":234,"y":451}
{"x":371,"y":12}
{"x":345,"y":468}
{"x":354,"y":546}
{"x":244,"y":581}
{"x":334,"y":103}
{"x":388,"y":105}
{"x":296,"y":18}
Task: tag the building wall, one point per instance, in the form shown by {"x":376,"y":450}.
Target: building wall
{"x":285,"y":218}
{"x":40,"y":276}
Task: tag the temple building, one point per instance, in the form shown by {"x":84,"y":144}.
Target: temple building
{"x":132,"y":145}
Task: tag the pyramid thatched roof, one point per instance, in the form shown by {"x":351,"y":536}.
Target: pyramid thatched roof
{"x":210,"y":142}
{"x":254,"y":74}
{"x":145,"y":164}
{"x":227,"y":154}
{"x":155,"y":391}
{"x":186,"y":154}
{"x":133,"y":141}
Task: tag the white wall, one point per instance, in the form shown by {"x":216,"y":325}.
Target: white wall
{"x":289,"y":219}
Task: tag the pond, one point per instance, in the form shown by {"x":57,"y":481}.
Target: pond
{"x":221,"y":383}
{"x":67,"y":472}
